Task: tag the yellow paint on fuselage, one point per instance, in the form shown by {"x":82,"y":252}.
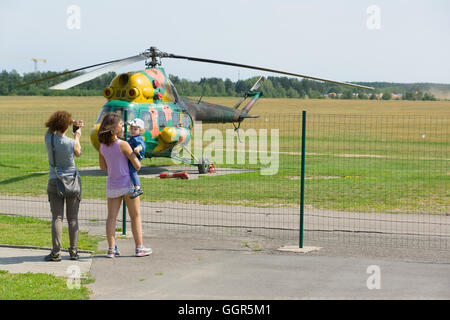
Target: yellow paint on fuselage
{"x":94,"y":136}
{"x":141,"y":87}
{"x":168,"y":135}
{"x":144,"y":90}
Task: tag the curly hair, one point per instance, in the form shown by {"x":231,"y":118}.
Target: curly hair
{"x":107,"y":127}
{"x":59,"y":121}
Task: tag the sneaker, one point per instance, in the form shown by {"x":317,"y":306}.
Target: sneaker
{"x":74,"y":254}
{"x":111,"y":253}
{"x":117,"y":251}
{"x":142,"y":252}
{"x":136,"y":193}
{"x":53,"y":257}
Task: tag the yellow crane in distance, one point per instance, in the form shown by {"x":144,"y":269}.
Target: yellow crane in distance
{"x":35,"y":60}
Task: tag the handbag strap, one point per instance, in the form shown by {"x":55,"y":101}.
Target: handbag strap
{"x":53,"y":153}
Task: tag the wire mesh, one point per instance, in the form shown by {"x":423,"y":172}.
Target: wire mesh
{"x":370,"y":180}
{"x":379,"y":180}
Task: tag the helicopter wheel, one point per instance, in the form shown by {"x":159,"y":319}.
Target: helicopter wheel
{"x":203,"y":166}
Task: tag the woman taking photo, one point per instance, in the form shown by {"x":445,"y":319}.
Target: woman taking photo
{"x":61,"y":151}
{"x":113,"y":158}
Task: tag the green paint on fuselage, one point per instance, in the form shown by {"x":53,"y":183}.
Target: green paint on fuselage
{"x":175,"y":117}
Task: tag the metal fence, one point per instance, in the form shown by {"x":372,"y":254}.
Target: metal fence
{"x":369,"y":180}
{"x":379,"y":180}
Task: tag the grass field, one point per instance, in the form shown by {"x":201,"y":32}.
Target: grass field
{"x":35,"y":232}
{"x":375,"y":156}
{"x":39,"y":286}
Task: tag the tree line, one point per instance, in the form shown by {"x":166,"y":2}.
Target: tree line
{"x":273,"y":87}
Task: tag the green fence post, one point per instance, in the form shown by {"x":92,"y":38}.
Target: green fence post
{"x":124,"y":206}
{"x":302,"y":179}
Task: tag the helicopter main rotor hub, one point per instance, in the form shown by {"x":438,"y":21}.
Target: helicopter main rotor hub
{"x":155,"y":55}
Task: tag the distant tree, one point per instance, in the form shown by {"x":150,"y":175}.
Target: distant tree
{"x":363,"y":96}
{"x":206,"y":90}
{"x":428,"y":97}
{"x":273,"y":87}
{"x":292,"y":93}
{"x":347,"y":94}
{"x":409,"y":96}
{"x":268,"y":89}
{"x":387,"y":95}
{"x":314,"y":94}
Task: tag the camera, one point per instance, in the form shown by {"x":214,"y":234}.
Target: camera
{"x":76,"y":124}
{"x":75,"y":128}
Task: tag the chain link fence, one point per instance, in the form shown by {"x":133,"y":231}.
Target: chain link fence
{"x":370,"y":180}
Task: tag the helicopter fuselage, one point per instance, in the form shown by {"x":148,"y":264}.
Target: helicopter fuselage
{"x":165,"y":124}
{"x":168,"y":118}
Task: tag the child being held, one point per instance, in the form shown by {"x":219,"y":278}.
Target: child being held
{"x":137,"y":143}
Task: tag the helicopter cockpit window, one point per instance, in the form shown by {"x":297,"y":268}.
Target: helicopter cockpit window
{"x":162,"y":118}
{"x":186,"y":120}
{"x":104,"y":111}
{"x":120,"y":111}
{"x":171,"y":91}
{"x":147,"y":118}
{"x":176,"y":118}
{"x":130,"y":113}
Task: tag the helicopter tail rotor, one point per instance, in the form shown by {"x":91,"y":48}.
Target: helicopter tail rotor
{"x":250,"y":93}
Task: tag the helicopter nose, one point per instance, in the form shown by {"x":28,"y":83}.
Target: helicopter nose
{"x":94,"y":136}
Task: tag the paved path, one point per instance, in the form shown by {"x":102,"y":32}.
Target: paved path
{"x":188,"y":214}
{"x":210,"y":266}
{"x":186,"y":266}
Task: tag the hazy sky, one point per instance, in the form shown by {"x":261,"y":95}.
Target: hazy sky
{"x":395,"y":40}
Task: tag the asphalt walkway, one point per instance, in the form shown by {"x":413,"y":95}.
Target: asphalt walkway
{"x":198,"y":267}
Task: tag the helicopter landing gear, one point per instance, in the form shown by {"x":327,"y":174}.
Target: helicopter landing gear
{"x":203,"y":166}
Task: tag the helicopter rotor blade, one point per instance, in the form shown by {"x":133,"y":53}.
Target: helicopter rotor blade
{"x":76,"y":70}
{"x":264,"y":69}
{"x":97,"y":72}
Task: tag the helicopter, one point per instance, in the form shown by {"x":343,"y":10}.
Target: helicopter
{"x":168,"y":117}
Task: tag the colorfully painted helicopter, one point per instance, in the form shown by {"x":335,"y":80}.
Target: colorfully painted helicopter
{"x":169,"y":118}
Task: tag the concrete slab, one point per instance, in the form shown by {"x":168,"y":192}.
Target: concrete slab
{"x":297,"y":249}
{"x":21,"y":260}
{"x":191,"y":268}
{"x":154,"y":171}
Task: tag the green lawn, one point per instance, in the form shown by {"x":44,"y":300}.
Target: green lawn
{"x":358,"y":162}
{"x":30,"y":286}
{"x":16,"y":230}
{"x":38,"y":286}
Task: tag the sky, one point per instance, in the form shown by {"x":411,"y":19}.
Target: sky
{"x":394,"y":41}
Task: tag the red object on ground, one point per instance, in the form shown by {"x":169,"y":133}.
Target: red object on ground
{"x":179,"y":175}
{"x":212,"y":168}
